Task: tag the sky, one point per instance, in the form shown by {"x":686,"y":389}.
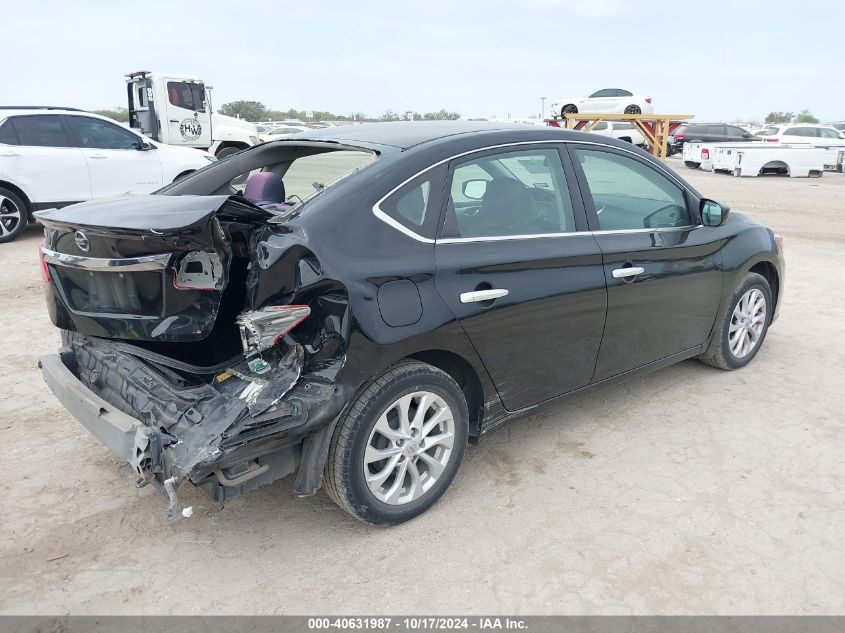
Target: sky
{"x":716,"y":60}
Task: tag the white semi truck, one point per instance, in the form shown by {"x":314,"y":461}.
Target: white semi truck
{"x":176,"y":110}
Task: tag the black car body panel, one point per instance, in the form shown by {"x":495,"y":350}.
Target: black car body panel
{"x":378,"y":293}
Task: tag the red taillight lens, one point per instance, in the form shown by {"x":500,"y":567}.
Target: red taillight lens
{"x":772,"y":140}
{"x":680,"y":137}
{"x":45,"y":271}
{"x":648,"y":99}
{"x":705,"y":154}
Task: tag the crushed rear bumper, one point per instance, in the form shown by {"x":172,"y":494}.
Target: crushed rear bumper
{"x":111,"y":426}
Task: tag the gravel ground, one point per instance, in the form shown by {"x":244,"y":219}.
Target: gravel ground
{"x":687,"y":491}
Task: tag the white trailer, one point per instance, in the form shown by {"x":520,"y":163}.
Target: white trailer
{"x":798,"y":160}
{"x":176,"y":110}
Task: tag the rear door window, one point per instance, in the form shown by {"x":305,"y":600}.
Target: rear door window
{"x":509,"y":194}
{"x":41,"y":130}
{"x":98,"y":134}
{"x":802,"y":131}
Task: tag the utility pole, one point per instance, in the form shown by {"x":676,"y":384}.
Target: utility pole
{"x":542,"y":107}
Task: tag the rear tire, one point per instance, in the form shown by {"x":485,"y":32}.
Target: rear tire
{"x":633,"y":109}
{"x":742,"y":328}
{"x":371,"y":489}
{"x":692,"y":164}
{"x":569,"y":108}
{"x":13,"y":215}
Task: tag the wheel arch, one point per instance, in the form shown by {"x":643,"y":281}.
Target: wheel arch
{"x":463,"y":373}
{"x":768,"y":271}
{"x":5,"y":184}
{"x":182,"y":174}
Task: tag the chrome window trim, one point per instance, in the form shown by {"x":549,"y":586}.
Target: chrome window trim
{"x":130,"y":264}
{"x":384,"y":217}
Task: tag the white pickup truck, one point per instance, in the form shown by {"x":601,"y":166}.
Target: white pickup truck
{"x":798,"y":160}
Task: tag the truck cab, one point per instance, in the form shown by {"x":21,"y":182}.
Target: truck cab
{"x":176,"y":110}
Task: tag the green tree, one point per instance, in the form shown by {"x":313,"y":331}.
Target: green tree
{"x":390,"y":115}
{"x":778,"y":117}
{"x":805,"y":116}
{"x":248,"y":110}
{"x":120,"y":115}
{"x":442,"y":115}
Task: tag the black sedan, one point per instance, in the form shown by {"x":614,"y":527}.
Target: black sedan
{"x":353,"y":305}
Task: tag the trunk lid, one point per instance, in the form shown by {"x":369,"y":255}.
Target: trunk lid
{"x":146,"y":268}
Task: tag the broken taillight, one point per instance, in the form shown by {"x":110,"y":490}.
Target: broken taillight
{"x":680,"y":136}
{"x":648,"y":99}
{"x":705,"y":154}
{"x":45,"y":271}
{"x":261,"y":329}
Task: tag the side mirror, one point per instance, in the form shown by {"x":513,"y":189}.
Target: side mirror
{"x":748,"y":135}
{"x":713,"y":213}
{"x":143,"y":146}
{"x":474,"y":189}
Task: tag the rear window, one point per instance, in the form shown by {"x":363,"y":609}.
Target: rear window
{"x":41,"y":130}
{"x":309,"y":175}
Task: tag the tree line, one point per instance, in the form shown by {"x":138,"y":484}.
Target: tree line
{"x":257,"y":111}
{"x":805,"y":116}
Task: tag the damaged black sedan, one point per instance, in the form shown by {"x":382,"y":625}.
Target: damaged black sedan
{"x":353,"y":305}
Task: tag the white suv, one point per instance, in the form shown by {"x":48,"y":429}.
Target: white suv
{"x":53,"y":157}
{"x":803,"y":133}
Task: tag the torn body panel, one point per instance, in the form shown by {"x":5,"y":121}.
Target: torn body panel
{"x":225,"y":424}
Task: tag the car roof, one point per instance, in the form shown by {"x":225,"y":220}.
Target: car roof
{"x":407,"y":134}
{"x":6,"y":111}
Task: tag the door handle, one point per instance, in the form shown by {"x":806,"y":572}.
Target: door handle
{"x":174,"y":120}
{"x":98,"y":156}
{"x":483,"y":295}
{"x":630,"y":271}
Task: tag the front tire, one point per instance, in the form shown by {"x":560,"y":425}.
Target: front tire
{"x":227,"y":151}
{"x":569,"y":108}
{"x":691,"y":164}
{"x":742,"y":329}
{"x":397,"y":449}
{"x":13,"y":215}
{"x":633,"y":109}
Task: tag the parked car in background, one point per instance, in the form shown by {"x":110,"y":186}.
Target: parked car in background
{"x":439,"y":279}
{"x":53,"y":157}
{"x":803,"y":133}
{"x":282,"y":130}
{"x":707,"y":132}
{"x":622,"y":130}
{"x":604,"y":100}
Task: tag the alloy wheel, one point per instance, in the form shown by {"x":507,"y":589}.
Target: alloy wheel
{"x":632,"y":109}
{"x":747,"y":323}
{"x":409,"y":448}
{"x":10,"y":216}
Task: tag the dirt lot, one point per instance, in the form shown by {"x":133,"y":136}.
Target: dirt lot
{"x":687,"y":491}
